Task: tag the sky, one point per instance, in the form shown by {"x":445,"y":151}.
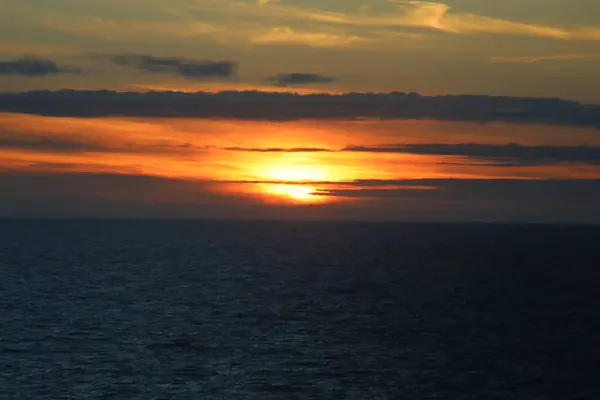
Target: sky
{"x":461,"y":110}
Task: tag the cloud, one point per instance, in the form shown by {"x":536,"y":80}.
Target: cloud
{"x":109,"y":195}
{"x":243,"y":22}
{"x":284,"y":36}
{"x":403,"y":192}
{"x":50,"y":144}
{"x":130,"y":196}
{"x":505,"y":200}
{"x":427,"y":15}
{"x":442,"y":188}
{"x":473,"y":185}
{"x":504,"y":155}
{"x":255,"y":105}
{"x":70,"y":194}
{"x":538,"y":59}
{"x":298,"y":78}
{"x":40,"y":139}
{"x":510,"y":155}
{"x":31,"y":66}
{"x":66,"y":145}
{"x":120,"y":30}
{"x":241,"y":33}
{"x":181,"y":66}
{"x":439,"y":16}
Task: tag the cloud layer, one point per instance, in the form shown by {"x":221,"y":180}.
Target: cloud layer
{"x":499,"y":155}
{"x":135,"y":196}
{"x":289,"y":106}
{"x":299,"y":78}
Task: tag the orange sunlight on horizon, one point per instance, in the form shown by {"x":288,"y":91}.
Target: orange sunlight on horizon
{"x":265,"y":160}
{"x":291,"y":171}
{"x":303,"y":194}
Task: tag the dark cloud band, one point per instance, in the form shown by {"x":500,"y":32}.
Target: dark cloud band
{"x":30,"y":66}
{"x":123,"y":195}
{"x":179,"y":66}
{"x":501,"y":155}
{"x":254,"y":105}
{"x":298,"y":78}
{"x":510,"y":155}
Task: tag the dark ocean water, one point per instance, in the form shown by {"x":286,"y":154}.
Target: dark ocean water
{"x":233,"y":310}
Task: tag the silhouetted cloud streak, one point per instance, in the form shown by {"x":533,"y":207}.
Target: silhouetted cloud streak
{"x":504,"y":155}
{"x":34,"y":67}
{"x":298,"y":78}
{"x":57,"y":144}
{"x":441,"y":186}
{"x":51,"y":144}
{"x":181,"y":66}
{"x":256,"y":105}
{"x":468,"y":185}
{"x":489,"y":154}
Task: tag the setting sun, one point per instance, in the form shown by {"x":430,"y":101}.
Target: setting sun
{"x":295,"y":173}
{"x":296,"y":193}
{"x":296,"y":178}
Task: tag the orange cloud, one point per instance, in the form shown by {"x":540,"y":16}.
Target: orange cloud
{"x":288,"y":36}
{"x":437,"y":16}
{"x":538,"y":59}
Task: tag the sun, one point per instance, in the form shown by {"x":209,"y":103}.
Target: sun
{"x":293,"y":182}
{"x":295,"y":193}
{"x":294,"y":173}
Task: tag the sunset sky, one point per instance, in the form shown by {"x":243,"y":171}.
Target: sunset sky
{"x":462,"y":110}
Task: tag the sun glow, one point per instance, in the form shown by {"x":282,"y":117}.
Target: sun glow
{"x":296,"y":182}
{"x":295,"y":173}
{"x":295,"y":193}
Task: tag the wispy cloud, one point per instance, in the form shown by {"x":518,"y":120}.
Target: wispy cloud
{"x":241,"y":23}
{"x":538,"y":59}
{"x":288,"y":36}
{"x":436,"y":16}
{"x":120,"y":30}
{"x":254,"y":32}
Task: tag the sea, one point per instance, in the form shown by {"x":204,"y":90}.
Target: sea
{"x":99,"y":309}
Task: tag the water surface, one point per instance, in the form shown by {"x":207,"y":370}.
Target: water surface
{"x":292,"y":310}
